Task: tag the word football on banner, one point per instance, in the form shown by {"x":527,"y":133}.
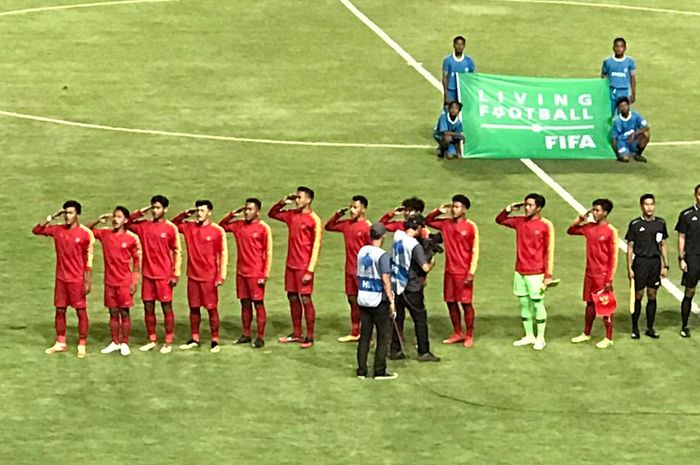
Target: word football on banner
{"x":525,"y":117}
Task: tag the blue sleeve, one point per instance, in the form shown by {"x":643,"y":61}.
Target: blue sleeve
{"x":446,"y":65}
{"x":616,"y":129}
{"x":604,"y":68}
{"x":641,"y":122}
{"x":442,"y":124}
{"x":385,"y":264}
{"x":458,"y":126}
{"x":633,"y":65}
{"x":472,"y":66}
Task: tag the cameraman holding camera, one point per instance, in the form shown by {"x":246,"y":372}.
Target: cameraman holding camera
{"x":408,"y":264}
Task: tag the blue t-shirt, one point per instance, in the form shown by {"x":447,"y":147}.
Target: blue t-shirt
{"x":619,"y":72}
{"x":622,"y":128}
{"x":445,"y":124}
{"x":451,"y":66}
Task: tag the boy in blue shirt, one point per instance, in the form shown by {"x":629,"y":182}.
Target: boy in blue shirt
{"x":630,"y":133}
{"x":454,"y":63}
{"x":620,"y":71}
{"x":448,"y":132}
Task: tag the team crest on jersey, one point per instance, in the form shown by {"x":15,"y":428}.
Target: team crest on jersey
{"x":163,"y":235}
{"x":695,"y":218}
{"x":602,"y":238}
{"x":255,"y":235}
{"x":208,"y":238}
{"x":77,"y":240}
{"x":642,"y":229}
{"x":463,"y":233}
{"x":123,"y":245}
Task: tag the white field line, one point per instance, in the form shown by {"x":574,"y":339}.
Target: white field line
{"x":534,"y":167}
{"x":609,"y":6}
{"x":79,"y":5}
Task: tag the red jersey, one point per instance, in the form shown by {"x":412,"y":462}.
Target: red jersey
{"x":162,"y":254}
{"x":356,"y":236}
{"x":534,"y":243}
{"x":461,"y":243}
{"x":120,"y":249}
{"x":393,"y":226}
{"x":253,"y":245}
{"x":74,"y":250}
{"x":207,"y":252}
{"x":601,"y":248}
{"x":304,"y":242}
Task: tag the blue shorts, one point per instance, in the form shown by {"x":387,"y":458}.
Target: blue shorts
{"x":616,"y":94}
{"x":626,"y":149}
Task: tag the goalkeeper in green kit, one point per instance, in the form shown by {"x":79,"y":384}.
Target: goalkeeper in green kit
{"x":533,"y":265}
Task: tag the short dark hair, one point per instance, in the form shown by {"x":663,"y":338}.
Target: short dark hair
{"x":455,"y":102}
{"x":414,"y":222}
{"x":414,"y":203}
{"x":539,"y":199}
{"x":204,"y":203}
{"x":374,"y":235}
{"x":74,"y":204}
{"x":697,"y":188}
{"x":463,"y":199}
{"x":362,"y":199}
{"x":306,"y":190}
{"x":454,"y":41}
{"x":620,"y":39}
{"x":622,"y":99}
{"x":605,"y":204}
{"x":255,"y":201}
{"x":161,"y":199}
{"x":122,"y":209}
{"x":646,"y":197}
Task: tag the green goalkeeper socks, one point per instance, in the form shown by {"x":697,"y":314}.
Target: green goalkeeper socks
{"x":540,"y":317}
{"x":526,"y":315}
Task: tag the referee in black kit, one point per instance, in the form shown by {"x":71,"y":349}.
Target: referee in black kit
{"x":688,"y":228}
{"x":647,"y":261}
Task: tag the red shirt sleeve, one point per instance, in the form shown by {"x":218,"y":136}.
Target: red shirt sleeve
{"x":133,"y":225}
{"x":99,"y":233}
{"x":504,"y":219}
{"x":334,"y":225}
{"x":179,"y":221}
{"x":433,"y":221}
{"x":613,"y":250}
{"x":276,"y":213}
{"x":47,"y":230}
{"x":575,"y":230}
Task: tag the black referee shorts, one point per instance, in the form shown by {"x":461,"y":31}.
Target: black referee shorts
{"x":692,"y":276}
{"x":647,"y":272}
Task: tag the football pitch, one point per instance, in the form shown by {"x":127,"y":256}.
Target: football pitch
{"x":224,"y":99}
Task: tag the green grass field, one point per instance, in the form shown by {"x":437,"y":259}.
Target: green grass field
{"x":310,"y":71}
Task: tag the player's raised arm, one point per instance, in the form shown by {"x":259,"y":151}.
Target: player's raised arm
{"x":182,"y":216}
{"x":504,"y":218}
{"x":334,"y":223}
{"x":231,"y":217}
{"x":433,"y":219}
{"x":40,"y":229}
{"x":277,"y":211}
{"x":101,"y":220}
{"x":576,"y":228}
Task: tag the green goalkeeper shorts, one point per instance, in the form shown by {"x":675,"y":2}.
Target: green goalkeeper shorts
{"x":528,"y":285}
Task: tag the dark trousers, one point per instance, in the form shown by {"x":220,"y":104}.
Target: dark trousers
{"x":371,"y":317}
{"x":414,"y":302}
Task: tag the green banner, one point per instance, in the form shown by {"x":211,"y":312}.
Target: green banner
{"x":524,"y":117}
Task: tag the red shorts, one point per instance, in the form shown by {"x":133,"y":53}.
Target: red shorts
{"x":592,"y":284}
{"x":350,"y":284}
{"x":118,"y":297}
{"x":249,"y":289}
{"x":202,"y":294}
{"x":293,"y":284}
{"x":69,"y":294}
{"x":156,"y":289}
{"x":456,"y":290}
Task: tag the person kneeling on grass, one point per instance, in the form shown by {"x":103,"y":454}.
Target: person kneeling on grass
{"x":630,"y":133}
{"x":448,"y":132}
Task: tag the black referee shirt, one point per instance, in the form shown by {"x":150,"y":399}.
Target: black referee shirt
{"x":647,"y":236}
{"x":689,"y":224}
